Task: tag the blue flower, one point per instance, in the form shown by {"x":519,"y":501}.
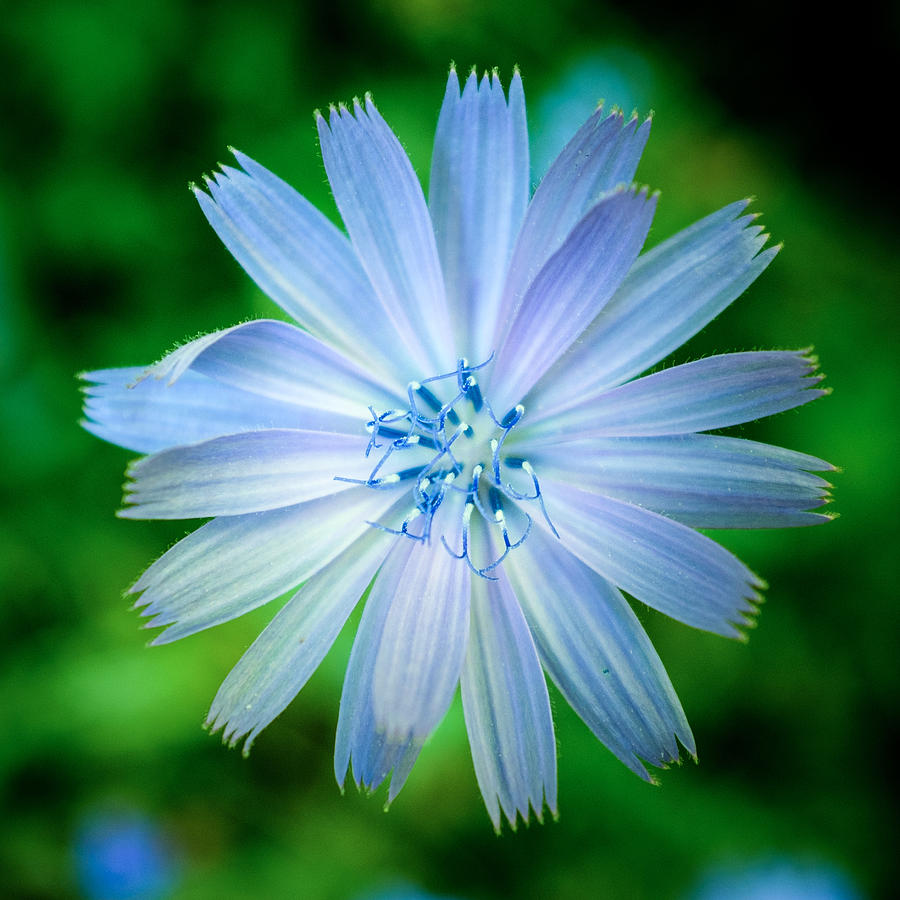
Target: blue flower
{"x":458,"y":424}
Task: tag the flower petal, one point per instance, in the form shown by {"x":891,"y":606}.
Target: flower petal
{"x":360,"y":744}
{"x":710,"y":393}
{"x":701,"y":480}
{"x":421,"y":649}
{"x":507,"y":709}
{"x":383,"y":208}
{"x":243,"y":473}
{"x":262,"y":374}
{"x":603,"y":155}
{"x":281,"y":660}
{"x":570,"y":290}
{"x":659,"y":561}
{"x":671,"y":292}
{"x":599,"y":656}
{"x":405,"y":663}
{"x":236,"y":563}
{"x":477,"y":197}
{"x":147,"y":415}
{"x":300,"y":260}
{"x":279,"y":361}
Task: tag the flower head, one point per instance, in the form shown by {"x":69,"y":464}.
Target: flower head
{"x":457,"y":422}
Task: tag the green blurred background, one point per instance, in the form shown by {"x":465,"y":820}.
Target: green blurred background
{"x":109,"y":109}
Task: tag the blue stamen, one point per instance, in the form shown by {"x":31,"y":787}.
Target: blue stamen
{"x":424,"y":425}
{"x":510,"y":491}
{"x":511,"y":419}
{"x":475,"y":397}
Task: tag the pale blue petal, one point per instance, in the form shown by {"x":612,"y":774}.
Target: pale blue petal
{"x":281,"y":660}
{"x":477,"y":197}
{"x":507,"y":709}
{"x":599,"y":656}
{"x":236,"y":563}
{"x":301,"y":261}
{"x":569,"y":291}
{"x":603,"y":155}
{"x":710,"y":393}
{"x":280,"y":362}
{"x":659,"y":561}
{"x":149,"y":415}
{"x":360,"y":744}
{"x":671,"y":292}
{"x":262,"y":374}
{"x":421,"y":648}
{"x":383,"y":207}
{"x":243,"y":473}
{"x":702,"y":480}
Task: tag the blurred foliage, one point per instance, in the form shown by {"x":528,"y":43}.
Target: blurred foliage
{"x":109,"y":110}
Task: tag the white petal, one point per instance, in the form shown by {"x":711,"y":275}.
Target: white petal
{"x":598,"y":655}
{"x":281,"y":660}
{"x":236,"y":563}
{"x":662,"y":563}
{"x":507,"y":709}
{"x":243,"y":473}
{"x":477,"y":197}
{"x":383,"y":208}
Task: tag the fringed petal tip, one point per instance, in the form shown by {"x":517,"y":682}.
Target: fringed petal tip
{"x":392,"y":781}
{"x":516,"y":817}
{"x":746,"y":620}
{"x":681,"y":747}
{"x":231,"y":735}
{"x":489,"y":79}
{"x":615,"y":112}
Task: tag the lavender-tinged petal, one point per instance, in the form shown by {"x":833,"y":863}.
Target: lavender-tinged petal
{"x":507,"y":709}
{"x":701,"y":480}
{"x":282,"y":659}
{"x":671,"y":292}
{"x":236,"y":563}
{"x":280,"y":362}
{"x":372,"y":748}
{"x":242,"y":473}
{"x":149,"y":415}
{"x":477,"y":198}
{"x":360,"y":744}
{"x":710,"y":393}
{"x":570,"y":290}
{"x":598,"y":655}
{"x":602,"y":155}
{"x":301,"y":261}
{"x":423,"y":643}
{"x":262,"y":374}
{"x":383,"y":208}
{"x":659,"y":561}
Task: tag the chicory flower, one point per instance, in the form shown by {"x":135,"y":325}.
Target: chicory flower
{"x":457,"y":426}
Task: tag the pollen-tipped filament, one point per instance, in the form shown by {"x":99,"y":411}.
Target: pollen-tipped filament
{"x":464,"y":440}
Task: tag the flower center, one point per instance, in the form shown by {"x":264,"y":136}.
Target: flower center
{"x":452,"y":450}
